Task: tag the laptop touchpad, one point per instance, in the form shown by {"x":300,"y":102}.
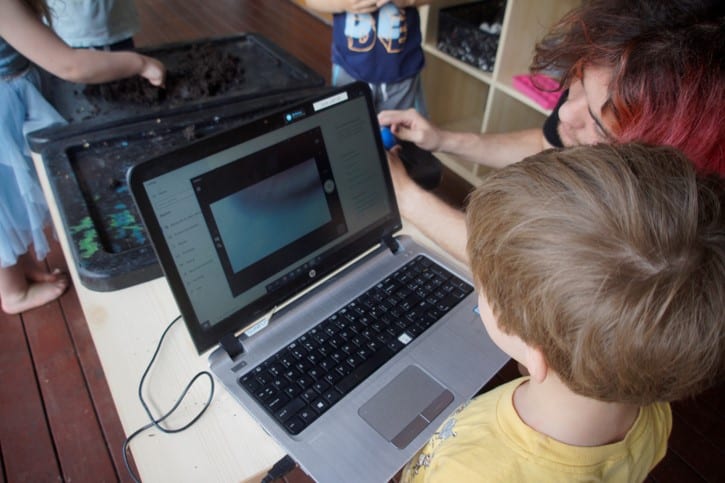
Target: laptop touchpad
{"x":406,"y":406}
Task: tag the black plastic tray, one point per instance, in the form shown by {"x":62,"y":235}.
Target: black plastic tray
{"x":87,"y":159}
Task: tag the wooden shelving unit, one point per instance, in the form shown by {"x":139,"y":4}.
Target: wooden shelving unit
{"x":464,"y":98}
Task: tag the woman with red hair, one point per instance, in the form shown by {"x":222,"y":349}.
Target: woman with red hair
{"x":645,"y":70}
{"x":664,"y":68}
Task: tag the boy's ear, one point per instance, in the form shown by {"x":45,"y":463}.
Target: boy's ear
{"x":536,"y":364}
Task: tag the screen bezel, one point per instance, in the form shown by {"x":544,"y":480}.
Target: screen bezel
{"x":206,"y":338}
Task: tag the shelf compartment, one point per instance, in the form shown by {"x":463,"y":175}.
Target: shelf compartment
{"x":460,"y":32}
{"x":507,"y":113}
{"x":455,"y":99}
{"x":482,"y":76}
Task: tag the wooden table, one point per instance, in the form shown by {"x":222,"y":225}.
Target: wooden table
{"x":226,"y":444}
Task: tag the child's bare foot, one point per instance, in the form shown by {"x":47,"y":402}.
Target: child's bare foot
{"x":36,"y":272}
{"x":35,"y":295}
{"x":40,"y":275}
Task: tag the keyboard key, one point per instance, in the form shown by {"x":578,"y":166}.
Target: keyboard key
{"x":305,"y":365}
{"x":275,"y":369}
{"x":304,"y":381}
{"x":320,"y":386}
{"x":327,"y":364}
{"x":292,"y":390}
{"x":278,"y":383}
{"x":353,"y":360}
{"x":309,"y":395}
{"x":331,"y":397}
{"x":287,"y":361}
{"x":307,"y":416}
{"x":290,"y":409}
{"x":332,"y":377}
{"x":295,"y":425}
{"x":265,"y":394}
{"x":320,"y":405}
{"x":250,"y":383}
{"x":277,"y":402}
{"x":315,"y":373}
{"x":292,"y":373}
{"x":395,"y":345}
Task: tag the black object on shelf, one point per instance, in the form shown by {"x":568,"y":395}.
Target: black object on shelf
{"x":422,"y":166}
{"x":460,"y":34}
{"x":86,"y":160}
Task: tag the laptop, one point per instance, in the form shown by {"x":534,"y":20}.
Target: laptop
{"x":349,"y":343}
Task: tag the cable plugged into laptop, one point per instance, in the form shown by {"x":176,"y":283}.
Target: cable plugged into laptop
{"x":155,"y":422}
{"x":280,"y":469}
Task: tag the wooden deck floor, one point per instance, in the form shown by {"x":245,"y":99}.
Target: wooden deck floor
{"x":57,"y":419}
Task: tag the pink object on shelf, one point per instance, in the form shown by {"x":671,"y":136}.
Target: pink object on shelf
{"x":546,"y":99}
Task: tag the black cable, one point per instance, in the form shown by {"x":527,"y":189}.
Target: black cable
{"x":280,"y":469}
{"x":155,"y":422}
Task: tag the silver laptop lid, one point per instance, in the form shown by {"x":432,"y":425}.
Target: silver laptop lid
{"x":247,"y":219}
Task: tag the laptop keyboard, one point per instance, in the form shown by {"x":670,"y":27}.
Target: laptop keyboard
{"x":306,"y":378}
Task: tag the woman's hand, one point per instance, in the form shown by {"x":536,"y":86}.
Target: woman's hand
{"x":410,"y":126}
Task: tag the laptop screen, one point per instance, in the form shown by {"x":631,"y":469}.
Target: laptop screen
{"x":244,"y":220}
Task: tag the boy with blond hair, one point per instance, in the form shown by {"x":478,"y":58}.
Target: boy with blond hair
{"x":602,"y":270}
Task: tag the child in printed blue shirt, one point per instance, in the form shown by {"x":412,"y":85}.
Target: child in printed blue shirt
{"x":378,"y":42}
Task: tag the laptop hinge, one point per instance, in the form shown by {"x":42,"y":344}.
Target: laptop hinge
{"x":232,"y":345}
{"x":390,"y":242}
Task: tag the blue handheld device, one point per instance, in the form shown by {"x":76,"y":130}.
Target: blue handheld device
{"x":388,"y":138}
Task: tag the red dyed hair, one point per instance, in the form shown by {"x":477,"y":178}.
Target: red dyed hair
{"x":668,"y":70}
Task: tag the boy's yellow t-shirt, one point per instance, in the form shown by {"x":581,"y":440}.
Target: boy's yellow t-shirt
{"x":485,"y":440}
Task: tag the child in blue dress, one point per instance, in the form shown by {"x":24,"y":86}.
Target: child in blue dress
{"x":25,"y":41}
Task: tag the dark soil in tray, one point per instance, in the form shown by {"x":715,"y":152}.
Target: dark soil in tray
{"x":202,"y":71}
